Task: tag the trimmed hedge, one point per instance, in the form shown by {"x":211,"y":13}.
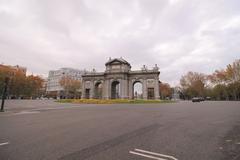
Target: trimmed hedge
{"x":112,"y":101}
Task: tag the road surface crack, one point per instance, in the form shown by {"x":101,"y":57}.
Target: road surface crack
{"x":93,"y":150}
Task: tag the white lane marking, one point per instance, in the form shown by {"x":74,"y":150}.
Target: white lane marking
{"x":38,"y":110}
{"x":156,"y":154}
{"x":152,"y":155}
{"x":5,"y":143}
{"x":54,"y":108}
{"x":144,"y":155}
{"x":26,"y":112}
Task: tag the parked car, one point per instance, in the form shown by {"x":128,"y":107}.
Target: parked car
{"x":201,"y":98}
{"x":196,"y":99}
{"x":208,"y":98}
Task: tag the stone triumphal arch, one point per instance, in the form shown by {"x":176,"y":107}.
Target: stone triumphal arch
{"x":118,"y":81}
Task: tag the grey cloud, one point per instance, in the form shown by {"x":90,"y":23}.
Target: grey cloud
{"x":178,"y":35}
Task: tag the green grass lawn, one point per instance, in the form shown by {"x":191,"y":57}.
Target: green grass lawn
{"x":112,"y":101}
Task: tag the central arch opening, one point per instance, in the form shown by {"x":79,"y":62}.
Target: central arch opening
{"x":98,"y":90}
{"x":137,"y":90}
{"x":115,"y":90}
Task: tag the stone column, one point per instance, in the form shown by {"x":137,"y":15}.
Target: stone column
{"x":156,"y":89}
{"x":106,"y":89}
{"x":124,"y":88}
{"x":92,"y":89}
{"x":144,"y":88}
{"x":121,"y":85}
{"x":109,"y":89}
{"x":130,"y":89}
{"x":83,"y":90}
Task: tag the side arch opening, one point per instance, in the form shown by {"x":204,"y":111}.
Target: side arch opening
{"x":137,"y":90}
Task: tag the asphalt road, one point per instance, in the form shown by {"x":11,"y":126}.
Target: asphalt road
{"x":46,"y":130}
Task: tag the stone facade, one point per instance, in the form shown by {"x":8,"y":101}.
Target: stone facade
{"x":118,"y":81}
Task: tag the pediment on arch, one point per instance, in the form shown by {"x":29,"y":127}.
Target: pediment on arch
{"x":117,"y":61}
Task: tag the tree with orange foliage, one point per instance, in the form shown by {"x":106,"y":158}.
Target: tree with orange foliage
{"x":165,"y":90}
{"x":71,"y":86}
{"x":219,"y":81}
{"x":16,"y":77}
{"x":33,"y":85}
{"x":20,"y":85}
{"x":193,"y":84}
{"x":226,"y":82}
{"x":233,"y":80}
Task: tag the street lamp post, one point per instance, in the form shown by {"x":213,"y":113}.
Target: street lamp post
{"x":4,"y":93}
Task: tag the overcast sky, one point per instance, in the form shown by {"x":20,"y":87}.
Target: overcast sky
{"x":178,"y":35}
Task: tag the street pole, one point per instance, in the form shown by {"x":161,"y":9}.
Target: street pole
{"x":4,"y":93}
